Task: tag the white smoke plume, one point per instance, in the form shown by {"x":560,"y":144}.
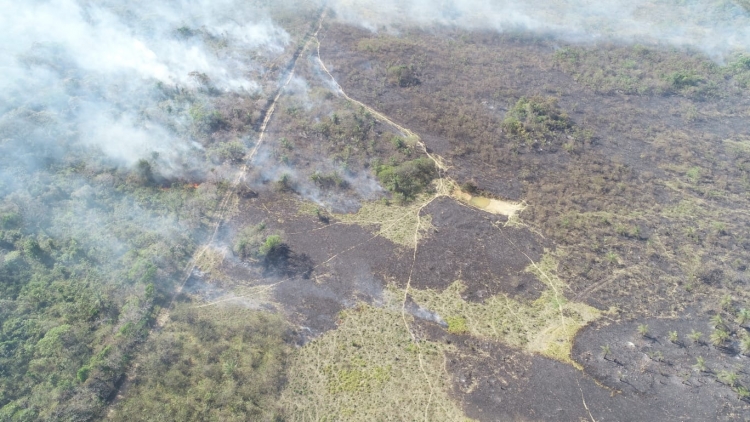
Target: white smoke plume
{"x":96,"y":70}
{"x":718,"y":27}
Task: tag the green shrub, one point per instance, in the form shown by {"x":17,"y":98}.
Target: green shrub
{"x":683,"y":79}
{"x":31,"y":248}
{"x":272,"y":242}
{"x":402,"y":76}
{"x":407,"y":179}
{"x":83,"y":373}
{"x":398,"y":142}
{"x":207,"y":120}
{"x":536,"y":119}
{"x":457,"y":325}
{"x":329,"y":180}
{"x":145,"y":172}
{"x":233,"y":151}
{"x":284,"y":184}
{"x":248,"y":241}
{"x":742,"y":62}
{"x":10,"y":220}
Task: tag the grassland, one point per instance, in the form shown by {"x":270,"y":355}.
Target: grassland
{"x":370,"y":367}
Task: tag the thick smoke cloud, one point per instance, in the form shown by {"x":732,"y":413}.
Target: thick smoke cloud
{"x":94,"y":72}
{"x":718,"y":27}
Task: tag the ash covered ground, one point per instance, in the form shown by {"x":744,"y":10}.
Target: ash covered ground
{"x":351,"y":211}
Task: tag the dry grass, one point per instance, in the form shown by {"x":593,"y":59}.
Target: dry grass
{"x":546,"y":326}
{"x":369,"y":369}
{"x":396,"y":223}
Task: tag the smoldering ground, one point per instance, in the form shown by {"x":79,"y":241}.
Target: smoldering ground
{"x":131,"y":81}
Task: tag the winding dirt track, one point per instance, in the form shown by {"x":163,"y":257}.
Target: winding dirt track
{"x":221,"y":211}
{"x":445,"y":187}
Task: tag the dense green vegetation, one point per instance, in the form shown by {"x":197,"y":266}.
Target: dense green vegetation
{"x":221,"y":363}
{"x":91,"y":248}
{"x":98,"y":224}
{"x":85,"y":263}
{"x":407,"y":179}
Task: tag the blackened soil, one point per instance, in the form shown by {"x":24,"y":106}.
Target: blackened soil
{"x":497,"y":383}
{"x":661,"y":375}
{"x":327,"y":267}
{"x":473,"y":246}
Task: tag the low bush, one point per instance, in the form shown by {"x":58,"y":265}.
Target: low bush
{"x":408,"y":179}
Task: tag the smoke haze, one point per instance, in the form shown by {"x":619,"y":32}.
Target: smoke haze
{"x":716,"y":27}
{"x":95,"y":72}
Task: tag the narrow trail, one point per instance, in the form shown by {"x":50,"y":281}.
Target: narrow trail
{"x":444,"y":181}
{"x":224,"y":205}
{"x":221,"y":213}
{"x":444,"y":187}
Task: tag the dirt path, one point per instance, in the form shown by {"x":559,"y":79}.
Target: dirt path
{"x":445,"y":187}
{"x":490,"y":205}
{"x":222,"y":211}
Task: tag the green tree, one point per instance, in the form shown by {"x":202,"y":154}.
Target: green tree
{"x":407,"y":179}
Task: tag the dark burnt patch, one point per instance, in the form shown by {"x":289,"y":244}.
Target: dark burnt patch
{"x":320,"y":269}
{"x":494,"y":382}
{"x":687,"y":379}
{"x":473,"y":246}
{"x":283,"y":261}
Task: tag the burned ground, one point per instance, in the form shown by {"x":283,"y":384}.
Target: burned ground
{"x":665,"y":369}
{"x":470,"y":245}
{"x":635,"y":195}
{"x":634,"y":198}
{"x":494,"y":382}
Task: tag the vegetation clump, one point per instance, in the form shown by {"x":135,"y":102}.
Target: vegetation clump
{"x":403,"y":76}
{"x":253,"y":242}
{"x":536,"y":122}
{"x":329,"y":180}
{"x":456,"y":325}
{"x":210,"y":364}
{"x":408,"y":179}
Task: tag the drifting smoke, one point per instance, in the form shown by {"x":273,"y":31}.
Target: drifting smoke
{"x":717,"y":27}
{"x":94,"y":73}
